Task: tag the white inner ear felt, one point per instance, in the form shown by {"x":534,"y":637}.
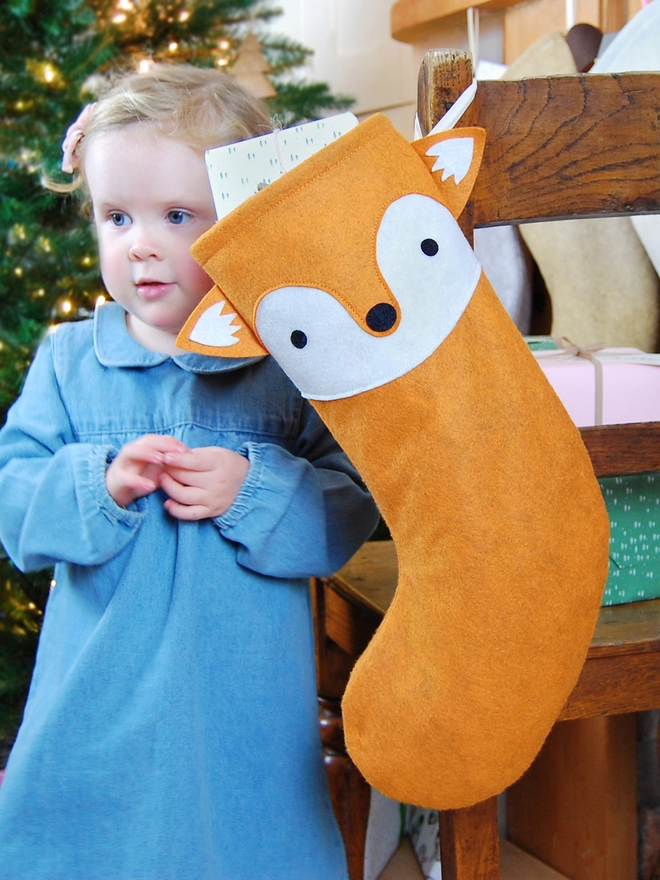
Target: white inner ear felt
{"x":454,"y":156}
{"x":432,"y":288}
{"x":213,"y":328}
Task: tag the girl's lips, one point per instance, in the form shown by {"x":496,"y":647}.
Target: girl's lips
{"x":150,"y":290}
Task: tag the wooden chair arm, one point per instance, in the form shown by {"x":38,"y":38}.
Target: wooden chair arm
{"x":623,"y":449}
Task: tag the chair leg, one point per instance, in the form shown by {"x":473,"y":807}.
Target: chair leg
{"x":349,"y":791}
{"x":469,"y":842}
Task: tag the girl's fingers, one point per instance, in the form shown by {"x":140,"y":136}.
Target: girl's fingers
{"x":126,"y":486}
{"x":184,"y":494}
{"x":202,"y":458}
{"x":142,"y":456}
{"x":162,"y":442}
{"x":184,"y":461}
{"x":141,"y":484}
{"x":136,"y":469}
{"x":151,"y":448}
{"x":155,"y":445}
{"x":183,"y":511}
{"x":186,"y":477}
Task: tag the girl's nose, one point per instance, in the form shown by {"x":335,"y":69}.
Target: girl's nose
{"x":143,"y":246}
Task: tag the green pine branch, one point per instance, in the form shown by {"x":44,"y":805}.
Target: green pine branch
{"x":22,"y":601}
{"x":298,"y":101}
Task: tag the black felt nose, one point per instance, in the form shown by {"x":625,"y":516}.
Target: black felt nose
{"x":381,"y":317}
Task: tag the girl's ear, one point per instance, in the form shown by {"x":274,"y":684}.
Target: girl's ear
{"x":216,"y":329}
{"x":453,"y":159}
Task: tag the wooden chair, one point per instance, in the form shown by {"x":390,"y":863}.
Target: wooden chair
{"x":557,"y":147}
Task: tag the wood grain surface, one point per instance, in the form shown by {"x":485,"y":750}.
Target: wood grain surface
{"x":557,"y":147}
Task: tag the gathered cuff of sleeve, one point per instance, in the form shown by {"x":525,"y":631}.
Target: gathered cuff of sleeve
{"x":98,"y":462}
{"x":92,"y":528}
{"x":243,"y":501}
{"x":292,"y":519}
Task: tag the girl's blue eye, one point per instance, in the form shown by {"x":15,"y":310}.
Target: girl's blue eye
{"x":178,"y":217}
{"x":118,"y":218}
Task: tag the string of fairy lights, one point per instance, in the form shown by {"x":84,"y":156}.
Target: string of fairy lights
{"x":133,"y":16}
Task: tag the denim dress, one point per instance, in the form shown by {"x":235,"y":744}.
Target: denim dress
{"x":171,"y":728}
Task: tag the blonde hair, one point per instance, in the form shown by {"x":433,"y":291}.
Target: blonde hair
{"x":201,"y":107}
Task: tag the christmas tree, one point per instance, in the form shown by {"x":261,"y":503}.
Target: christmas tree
{"x":54,"y":52}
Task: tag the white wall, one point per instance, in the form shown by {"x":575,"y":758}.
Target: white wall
{"x":355,"y":54}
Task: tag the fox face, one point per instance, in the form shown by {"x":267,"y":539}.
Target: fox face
{"x":368,"y":294}
{"x":431,"y":272}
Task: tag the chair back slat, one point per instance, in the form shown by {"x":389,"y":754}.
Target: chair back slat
{"x":556,"y":147}
{"x":623,"y":449}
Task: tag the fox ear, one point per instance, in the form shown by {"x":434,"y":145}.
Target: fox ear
{"x":215,"y":329}
{"x":453,"y":158}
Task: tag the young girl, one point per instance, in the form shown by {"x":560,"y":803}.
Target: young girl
{"x":171,"y":729}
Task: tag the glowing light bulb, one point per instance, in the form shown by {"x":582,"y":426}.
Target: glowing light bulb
{"x":144,"y":65}
{"x":173,"y":47}
{"x":99,"y":300}
{"x":66,"y":306}
{"x":222,"y":62}
{"x":49,"y":73}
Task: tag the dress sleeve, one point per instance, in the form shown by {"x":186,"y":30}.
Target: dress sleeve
{"x":55,"y":506}
{"x":303,"y":514}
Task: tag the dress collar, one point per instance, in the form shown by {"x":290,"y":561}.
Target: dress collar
{"x":115,"y":347}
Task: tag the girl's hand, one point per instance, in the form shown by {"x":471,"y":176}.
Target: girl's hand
{"x":202,"y":483}
{"x":136,"y":470}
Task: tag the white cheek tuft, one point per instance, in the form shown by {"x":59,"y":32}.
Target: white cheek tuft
{"x":214,"y":328}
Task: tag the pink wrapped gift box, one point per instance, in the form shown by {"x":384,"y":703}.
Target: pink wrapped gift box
{"x":630,"y":392}
{"x":631,"y":384}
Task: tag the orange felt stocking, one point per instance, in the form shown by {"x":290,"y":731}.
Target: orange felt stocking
{"x":352,"y":271}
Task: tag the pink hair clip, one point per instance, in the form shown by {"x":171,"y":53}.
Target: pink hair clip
{"x":74,"y":135}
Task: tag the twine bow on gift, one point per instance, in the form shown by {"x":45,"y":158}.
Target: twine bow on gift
{"x":587,"y":352}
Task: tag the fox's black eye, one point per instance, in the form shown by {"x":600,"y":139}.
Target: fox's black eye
{"x":430,"y":247}
{"x":298,"y":339}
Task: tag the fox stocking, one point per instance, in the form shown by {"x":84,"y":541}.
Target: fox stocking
{"x":352,"y":271}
